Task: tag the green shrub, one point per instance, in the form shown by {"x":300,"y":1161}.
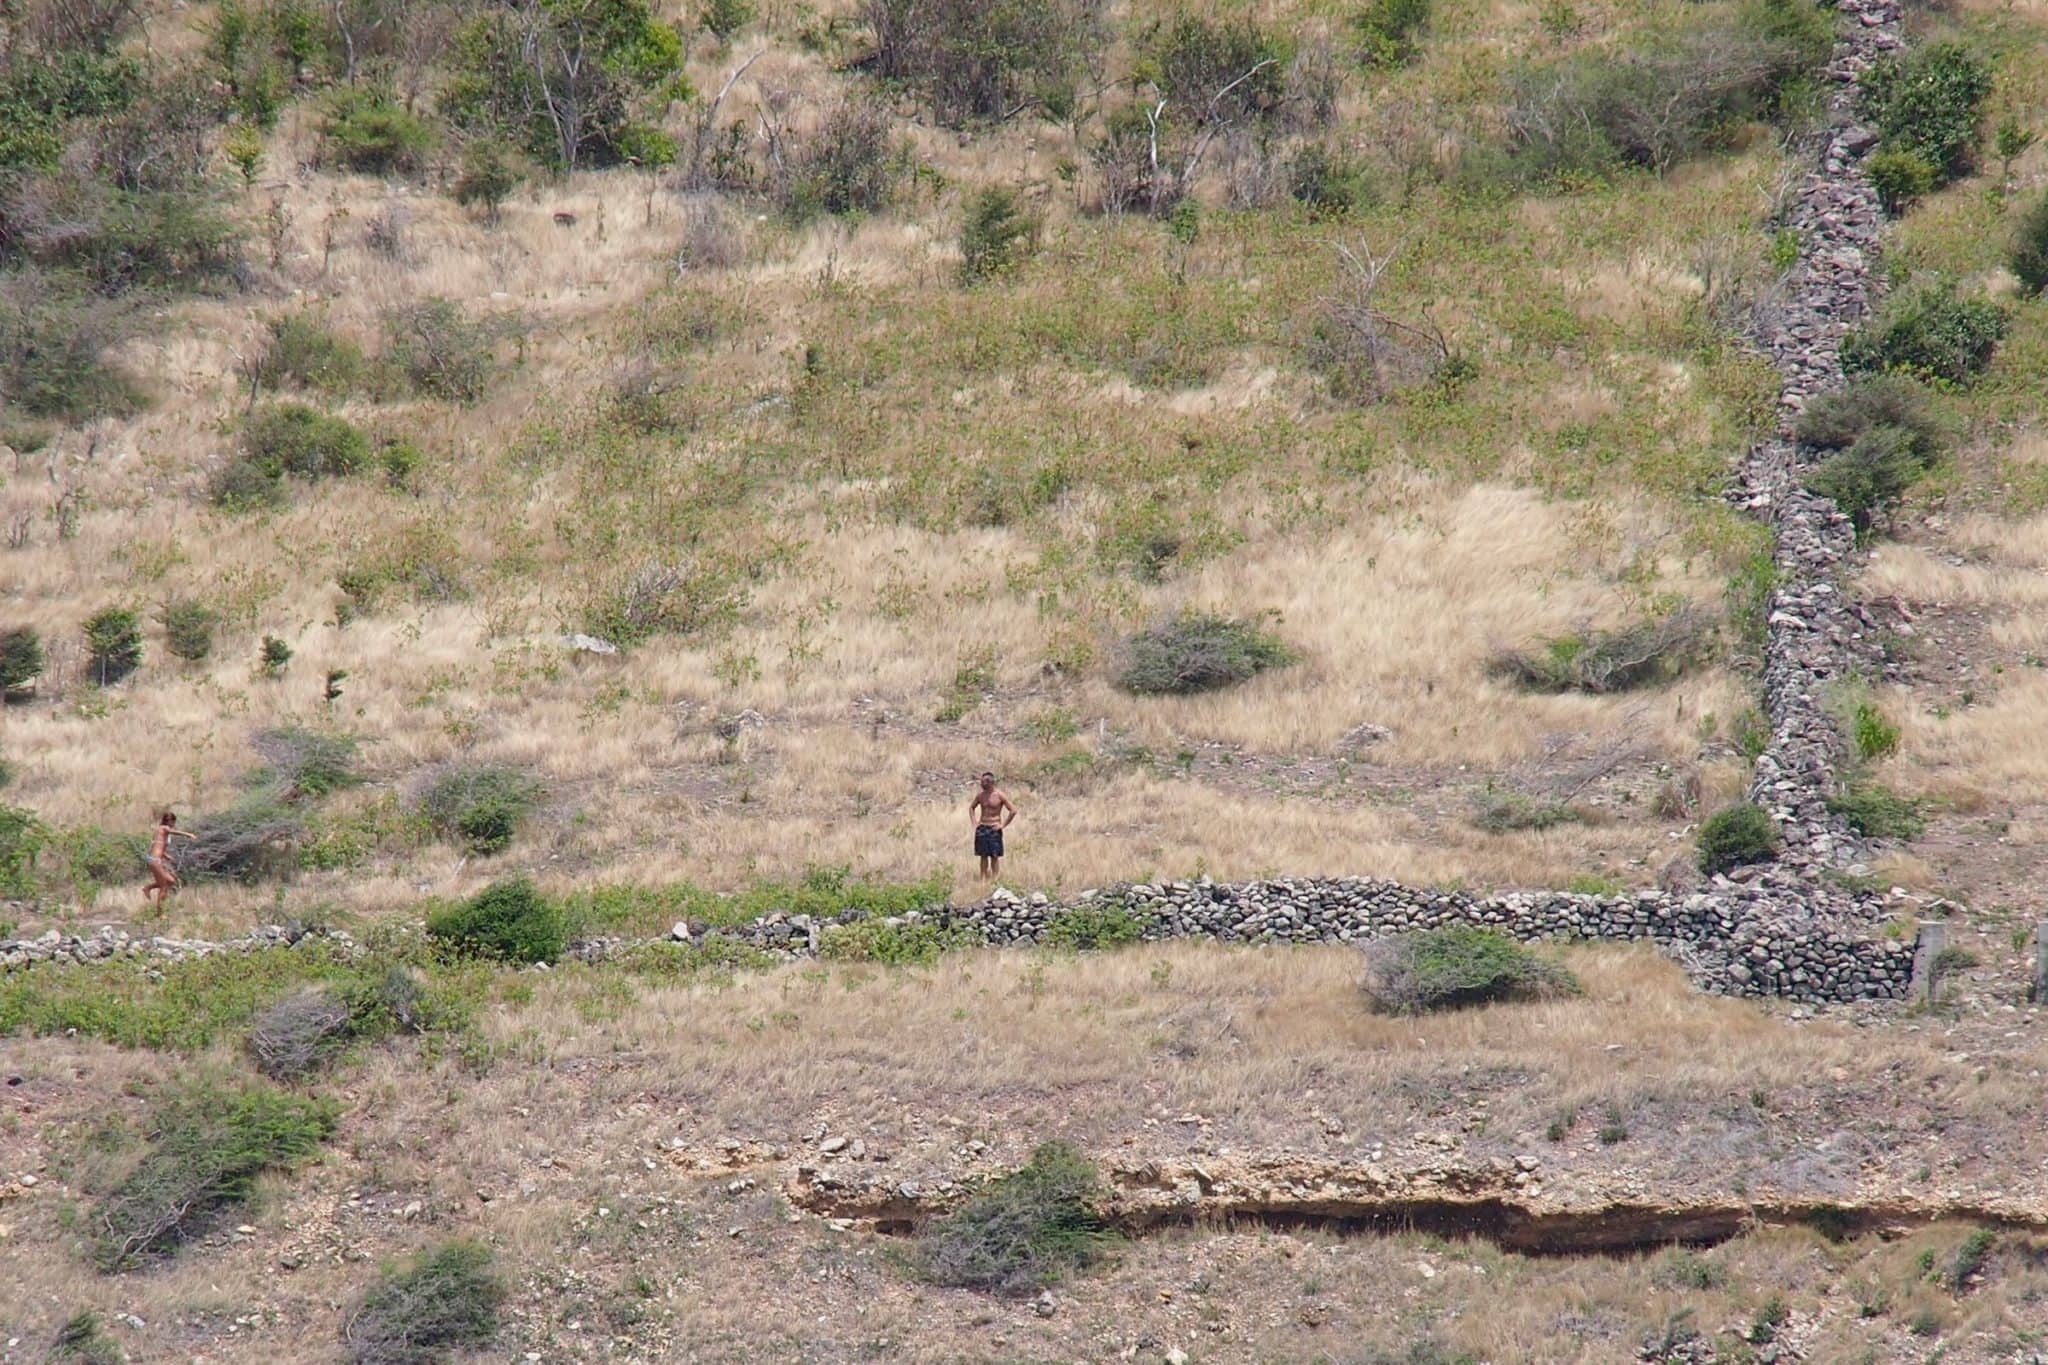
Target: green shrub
{"x":1736,"y":836}
{"x":723,"y":18}
{"x":1969,"y":1259}
{"x":480,"y":806}
{"x":1867,"y":480}
{"x":1872,"y":733}
{"x":288,"y":440}
{"x":83,"y":1340}
{"x":1837,"y":420}
{"x":1321,"y":183}
{"x":208,"y":1143}
{"x":1197,"y":652}
{"x":446,"y":1301}
{"x":1498,"y":812}
{"x":1024,"y":1230}
{"x":188,"y":628}
{"x":1195,"y":57}
{"x":1899,"y":177}
{"x":2029,"y":257}
{"x":1928,"y":101}
{"x":22,"y":838}
{"x":438,"y":351}
{"x":997,"y":235}
{"x":849,"y":165}
{"x":272,"y":656}
{"x":1390,"y":31}
{"x":303,"y":351}
{"x":1926,"y":330}
{"x":21,"y":661}
{"x":1877,"y":813}
{"x":113,"y":645}
{"x":53,"y":343}
{"x":1090,"y":928}
{"x":305,"y":765}
{"x":1454,"y":967}
{"x":488,"y":178}
{"x":918,"y":943}
{"x":506,"y":922}
{"x":367,"y":130}
{"x":981,"y":60}
{"x":1645,"y":654}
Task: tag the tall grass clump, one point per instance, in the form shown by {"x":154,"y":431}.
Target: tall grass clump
{"x":1024,"y":1230}
{"x":446,"y":1300}
{"x":1199,"y":652}
{"x":207,"y":1144}
{"x":508,"y":921}
{"x":1457,"y":966}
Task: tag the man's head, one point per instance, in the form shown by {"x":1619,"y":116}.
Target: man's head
{"x":170,"y":817}
{"x":988,"y":781}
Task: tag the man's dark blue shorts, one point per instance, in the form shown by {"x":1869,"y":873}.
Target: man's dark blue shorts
{"x":988,"y":841}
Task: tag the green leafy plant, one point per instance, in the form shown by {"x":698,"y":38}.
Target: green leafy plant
{"x":2029,"y":255}
{"x":489,"y":176}
{"x":480,"y":806}
{"x":272,"y":657}
{"x":1929,"y":331}
{"x":1091,"y":928}
{"x":997,"y":235}
{"x":507,"y":921}
{"x":1024,"y":1230}
{"x":1928,"y":101}
{"x":1878,"y":813}
{"x":113,"y":645}
{"x":1457,"y":966}
{"x":208,"y":1143}
{"x":1900,"y":177}
{"x":1736,"y":836}
{"x":21,"y":661}
{"x":303,"y":351}
{"x":288,"y":440}
{"x":22,"y":838}
{"x":188,"y":628}
{"x":973,"y":60}
{"x":446,"y":1300}
{"x":1198,"y":652}
{"x":905,"y":943}
{"x":83,"y":1340}
{"x":438,"y":351}
{"x":367,"y":130}
{"x":1872,"y":732}
{"x":1390,"y":31}
{"x":723,"y":18}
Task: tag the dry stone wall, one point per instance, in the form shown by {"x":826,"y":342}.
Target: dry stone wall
{"x":1784,"y":931}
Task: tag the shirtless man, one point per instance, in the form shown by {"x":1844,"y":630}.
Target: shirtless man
{"x":992,"y":811}
{"x":163,"y":874}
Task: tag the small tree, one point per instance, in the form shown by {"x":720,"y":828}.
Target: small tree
{"x":188,"y":628}
{"x":243,"y":146}
{"x":273,"y":657}
{"x":1929,"y":100}
{"x":487,"y":180}
{"x":1736,"y":836}
{"x":2011,"y":142}
{"x":997,"y":235}
{"x":21,"y":661}
{"x":723,"y":18}
{"x":2030,"y":247}
{"x":113,"y":645}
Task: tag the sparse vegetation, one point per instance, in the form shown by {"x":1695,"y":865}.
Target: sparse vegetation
{"x":445,"y":1301}
{"x":83,"y":1340}
{"x":480,"y":806}
{"x":206,"y":1144}
{"x":1197,"y":652}
{"x":1644,"y":654}
{"x":507,"y":922}
{"x":1024,"y":1230}
{"x":1093,"y":928}
{"x":1736,"y":836}
{"x":303,"y":351}
{"x":984,"y":61}
{"x":438,"y":351}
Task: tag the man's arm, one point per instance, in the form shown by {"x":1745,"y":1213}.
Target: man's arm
{"x":1009,"y":809}
{"x":183,"y":834}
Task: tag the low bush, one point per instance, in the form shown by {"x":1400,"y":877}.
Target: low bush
{"x":303,"y":351}
{"x":1390,"y":31}
{"x":1024,"y":1230}
{"x":1736,"y":836}
{"x":1090,"y":928}
{"x":1970,"y":1258}
{"x":1322,"y":184}
{"x":480,"y":806}
{"x":1878,"y":813}
{"x":915,"y":943}
{"x":997,"y":235}
{"x":1928,"y":101}
{"x":298,"y":1034}
{"x":83,"y":1340}
{"x":1838,"y":419}
{"x":487,"y":180}
{"x":1230,"y":70}
{"x":1900,"y":177}
{"x":1198,"y":652}
{"x":53,"y":347}
{"x":1929,"y":331}
{"x":723,"y":18}
{"x":288,"y":440}
{"x":1454,"y":967}
{"x":1645,"y":654}
{"x":367,"y":130}
{"x":306,"y":764}
{"x":851,"y":164}
{"x":1868,"y":478}
{"x":188,"y":628}
{"x":505,"y":922}
{"x":445,"y":1301}
{"x":249,"y":841}
{"x":1498,"y":812}
{"x":113,"y":645}
{"x":21,"y":661}
{"x":22,"y":839}
{"x":438,"y":351}
{"x":982,"y":60}
{"x":2029,"y":255}
{"x":207,"y":1145}
{"x":663,"y":599}
{"x":1871,"y":732}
